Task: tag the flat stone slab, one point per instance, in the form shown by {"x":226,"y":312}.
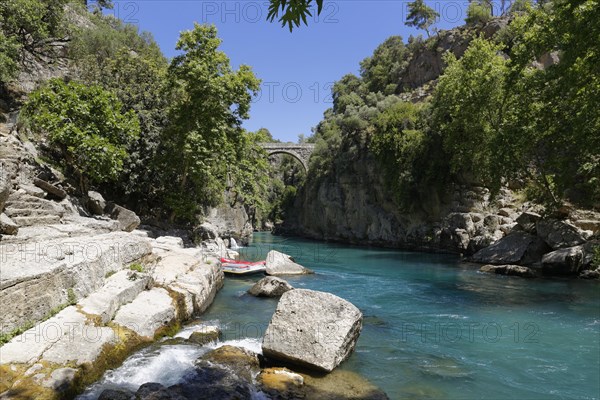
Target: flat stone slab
{"x":121,"y":288}
{"x":150,"y":311}
{"x":81,"y":344}
{"x":37,"y":276}
{"x":172,"y":265}
{"x":28,"y":347}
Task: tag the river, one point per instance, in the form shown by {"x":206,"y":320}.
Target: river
{"x":433,"y":328}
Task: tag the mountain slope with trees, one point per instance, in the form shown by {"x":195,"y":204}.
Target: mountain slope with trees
{"x":508,"y":103}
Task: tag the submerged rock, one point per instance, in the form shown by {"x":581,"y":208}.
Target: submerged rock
{"x":205,"y":335}
{"x":511,"y":270}
{"x":281,"y":383}
{"x":443,"y":367}
{"x":313,"y":329}
{"x":270,"y":286}
{"x":242,"y":362}
{"x":112,"y":394}
{"x":340,"y":384}
{"x":516,"y":248}
{"x":281,"y":264}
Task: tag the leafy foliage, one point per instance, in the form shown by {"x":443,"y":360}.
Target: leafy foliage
{"x":26,"y":24}
{"x":468,"y":107}
{"x":479,"y":12}
{"x":9,"y":54}
{"x":87,"y":124}
{"x":293,"y":12}
{"x":561,"y":100}
{"x":382,"y":70}
{"x":421,"y":15}
{"x":32,"y":21}
{"x":205,"y":132}
{"x":120,"y":59}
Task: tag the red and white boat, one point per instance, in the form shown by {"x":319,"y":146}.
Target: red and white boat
{"x":238,"y":267}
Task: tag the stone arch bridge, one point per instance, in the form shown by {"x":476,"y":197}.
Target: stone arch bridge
{"x":301,"y":152}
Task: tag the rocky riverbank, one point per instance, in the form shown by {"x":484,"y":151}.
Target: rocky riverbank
{"x":352,"y":208}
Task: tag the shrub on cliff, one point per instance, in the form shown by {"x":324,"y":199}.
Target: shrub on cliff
{"x":87,"y":125}
{"x":9,"y":54}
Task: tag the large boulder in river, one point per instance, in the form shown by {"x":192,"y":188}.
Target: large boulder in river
{"x":313,"y":329}
{"x":559,"y":234}
{"x":128,"y":220}
{"x":566,"y":261}
{"x":282,"y":264}
{"x":516,"y":248}
{"x":270,"y":286}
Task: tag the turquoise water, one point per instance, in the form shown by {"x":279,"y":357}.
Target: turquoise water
{"x":435,"y":329}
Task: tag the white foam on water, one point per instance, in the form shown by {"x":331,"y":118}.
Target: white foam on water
{"x":187,"y":331}
{"x":233,"y":244}
{"x":252,"y":344}
{"x":165,"y":365}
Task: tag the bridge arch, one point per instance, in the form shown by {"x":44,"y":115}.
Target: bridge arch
{"x":300,"y":152}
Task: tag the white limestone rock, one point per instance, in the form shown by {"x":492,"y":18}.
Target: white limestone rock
{"x":282,"y":264}
{"x":150,"y":311}
{"x":314,"y":329}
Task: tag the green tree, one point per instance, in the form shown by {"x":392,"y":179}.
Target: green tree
{"x":30,"y":22}
{"x":212,"y":100}
{"x":398,"y":143}
{"x":479,"y":12}
{"x":264,"y":135}
{"x":87,"y":125}
{"x":382,"y":71}
{"x":130,"y":64}
{"x":420,"y":15}
{"x":9,"y":55}
{"x":468,"y":109}
{"x":558,"y":104}
{"x":249,"y":174}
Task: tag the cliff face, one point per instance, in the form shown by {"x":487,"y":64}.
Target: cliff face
{"x":354,"y":206}
{"x":427,"y":62}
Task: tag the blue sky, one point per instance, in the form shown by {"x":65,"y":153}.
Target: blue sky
{"x":298,"y":68}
